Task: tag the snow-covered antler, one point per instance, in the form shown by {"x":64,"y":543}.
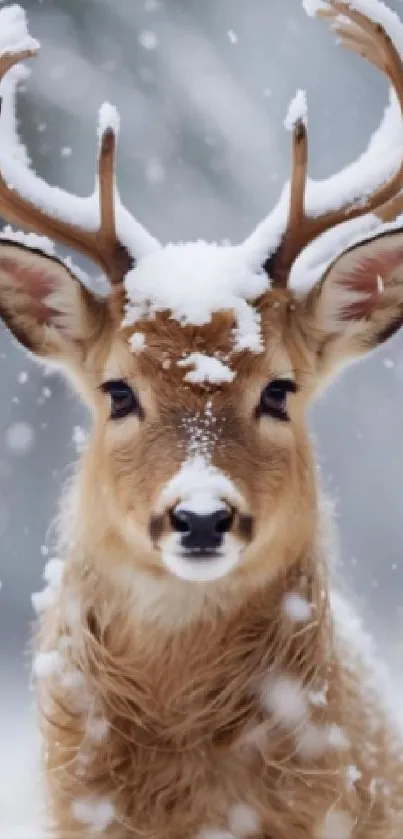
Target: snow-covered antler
{"x":368,"y":38}
{"x":98,"y":227}
{"x":102,"y":245}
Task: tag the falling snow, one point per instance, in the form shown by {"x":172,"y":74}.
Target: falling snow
{"x":148,"y":39}
{"x":19,"y":438}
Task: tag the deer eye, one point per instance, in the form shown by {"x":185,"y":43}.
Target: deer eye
{"x":123,"y":400}
{"x":273,"y":399}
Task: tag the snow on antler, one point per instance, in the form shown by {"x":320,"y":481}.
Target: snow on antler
{"x":297,"y":111}
{"x":66,"y":207}
{"x":352,"y":185}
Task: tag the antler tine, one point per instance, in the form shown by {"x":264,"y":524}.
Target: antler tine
{"x":371,"y":41}
{"x":102,"y":246}
{"x":278,"y":265}
{"x":299,"y":175}
{"x":116,"y":259}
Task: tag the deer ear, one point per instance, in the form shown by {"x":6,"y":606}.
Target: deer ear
{"x":358,"y":303}
{"x":45,"y":306}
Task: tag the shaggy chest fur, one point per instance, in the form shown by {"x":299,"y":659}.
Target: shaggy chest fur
{"x":245,"y":724}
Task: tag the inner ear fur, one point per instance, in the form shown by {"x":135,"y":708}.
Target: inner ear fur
{"x":358,"y":303}
{"x":45,"y":306}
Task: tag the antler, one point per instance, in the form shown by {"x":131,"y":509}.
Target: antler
{"x":102,"y":246}
{"x":371,"y":41}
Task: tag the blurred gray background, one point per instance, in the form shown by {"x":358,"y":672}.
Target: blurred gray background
{"x":202,"y":87}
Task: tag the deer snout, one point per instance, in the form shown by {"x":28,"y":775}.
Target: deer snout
{"x":201,"y":533}
{"x":201,"y":524}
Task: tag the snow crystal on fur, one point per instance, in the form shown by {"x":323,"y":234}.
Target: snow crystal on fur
{"x":52,"y":574}
{"x":206,"y":368}
{"x":243,"y":821}
{"x":97,"y":813}
{"x":296,"y":607}
{"x":297,"y":111}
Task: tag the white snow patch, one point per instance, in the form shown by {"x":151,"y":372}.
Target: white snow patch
{"x":337,"y":825}
{"x":96,"y":728}
{"x":30,"y":240}
{"x":359,"y":654}
{"x":193,"y":281}
{"x":243,"y":821}
{"x":137,"y":342}
{"x":14,"y":35}
{"x":72,"y":610}
{"x":41,"y":600}
{"x":353,"y":774}
{"x":318,"y":698}
{"x":52,"y":574}
{"x":200,"y":487}
{"x":73,"y":680}
{"x":97,"y":813}
{"x":108,"y":119}
{"x":19,"y":438}
{"x":296,"y":607}
{"x":337,"y":738}
{"x":285,"y":697}
{"x":47,"y":664}
{"x":311,"y":741}
{"x":207,"y":368}
{"x":297,"y":111}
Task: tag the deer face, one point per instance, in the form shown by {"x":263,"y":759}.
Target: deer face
{"x":204,"y":449}
{"x":199,"y":370}
{"x":199,"y":461}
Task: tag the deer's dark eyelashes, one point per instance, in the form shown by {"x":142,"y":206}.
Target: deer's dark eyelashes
{"x":273,"y":399}
{"x":124,"y":401}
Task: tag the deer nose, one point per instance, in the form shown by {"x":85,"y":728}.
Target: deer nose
{"x":201,"y":533}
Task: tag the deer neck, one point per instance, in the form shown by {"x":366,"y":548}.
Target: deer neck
{"x":218,"y":660}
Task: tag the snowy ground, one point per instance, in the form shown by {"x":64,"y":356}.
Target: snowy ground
{"x":20,"y":796}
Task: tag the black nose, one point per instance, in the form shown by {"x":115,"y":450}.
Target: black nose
{"x":201,"y":534}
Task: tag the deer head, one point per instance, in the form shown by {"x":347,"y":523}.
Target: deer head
{"x":200,"y":363}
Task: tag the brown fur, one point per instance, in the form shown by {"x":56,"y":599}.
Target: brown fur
{"x":179,"y":677}
{"x":178,"y":703}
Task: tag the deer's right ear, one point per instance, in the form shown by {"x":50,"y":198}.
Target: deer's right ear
{"x":45,"y":306}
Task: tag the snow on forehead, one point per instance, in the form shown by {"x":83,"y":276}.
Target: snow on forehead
{"x":195,"y":280}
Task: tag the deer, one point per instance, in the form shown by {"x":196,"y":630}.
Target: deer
{"x":196,"y":673}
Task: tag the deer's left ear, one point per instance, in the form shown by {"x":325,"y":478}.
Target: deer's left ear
{"x":358,"y":303}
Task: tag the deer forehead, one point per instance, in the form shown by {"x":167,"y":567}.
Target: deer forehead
{"x":195,"y":281}
{"x":195,"y":363}
{"x":194,"y":310}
